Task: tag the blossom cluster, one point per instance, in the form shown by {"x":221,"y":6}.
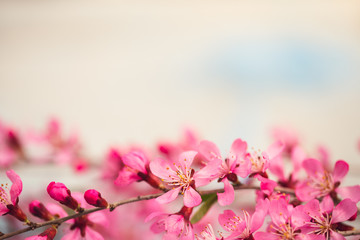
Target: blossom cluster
{"x":295,"y":195}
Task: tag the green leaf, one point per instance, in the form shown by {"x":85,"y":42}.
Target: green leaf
{"x":207,"y":201}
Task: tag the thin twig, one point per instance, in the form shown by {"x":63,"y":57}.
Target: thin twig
{"x":350,"y":233}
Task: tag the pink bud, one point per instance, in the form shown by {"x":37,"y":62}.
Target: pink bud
{"x":94,"y":198}
{"x":60,"y":193}
{"x":39,"y":210}
{"x":48,"y":234}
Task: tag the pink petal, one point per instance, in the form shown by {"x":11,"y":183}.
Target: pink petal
{"x":225,"y":218}
{"x":275,"y":149}
{"x":174,"y":223}
{"x":228,"y":196}
{"x":154,"y":215}
{"x":191,"y":198}
{"x":343,"y":211}
{"x":312,"y":208}
{"x":279,"y":211}
{"x":266,"y":185}
{"x":336,"y":236}
{"x":238,"y":148}
{"x":168,"y":196}
{"x":327,"y":204}
{"x":3,"y":208}
{"x":126,"y":177}
{"x":313,"y":167}
{"x":92,"y":235}
{"x":259,"y":215}
{"x":209,"y":150}
{"x":299,"y":217}
{"x":136,"y":160}
{"x":99,"y":218}
{"x":352,"y":192}
{"x":305,"y":193}
{"x":16,"y":187}
{"x":208,"y":173}
{"x":56,"y":209}
{"x":265,"y":236}
{"x":161,"y":168}
{"x":340,"y":170}
{"x":185,"y":160}
{"x":244,"y":168}
{"x":72,"y":235}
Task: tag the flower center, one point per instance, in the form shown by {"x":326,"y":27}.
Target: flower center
{"x":322,"y":225}
{"x":284,"y":231}
{"x":181,"y":178}
{"x":324,"y":183}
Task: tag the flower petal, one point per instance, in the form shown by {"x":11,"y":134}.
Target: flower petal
{"x":191,"y":198}
{"x":340,"y":170}
{"x":185,"y":160}
{"x":209,"y":150}
{"x":313,"y":167}
{"x":16,"y":187}
{"x":259,"y":215}
{"x":228,"y":196}
{"x":224,"y":219}
{"x":92,"y":235}
{"x":168,"y":196}
{"x":352,"y":192}
{"x":136,"y":160}
{"x":343,"y":211}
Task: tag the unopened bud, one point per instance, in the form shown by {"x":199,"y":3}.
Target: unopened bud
{"x":39,"y":210}
{"x":94,"y":198}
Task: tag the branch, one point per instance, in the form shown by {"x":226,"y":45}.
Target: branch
{"x":350,"y":233}
{"x":59,"y":221}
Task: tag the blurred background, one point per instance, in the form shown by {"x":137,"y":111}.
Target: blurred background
{"x":121,"y":72}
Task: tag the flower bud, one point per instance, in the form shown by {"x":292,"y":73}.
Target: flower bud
{"x":48,"y":234}
{"x":60,"y":193}
{"x":94,"y":198}
{"x":39,"y":210}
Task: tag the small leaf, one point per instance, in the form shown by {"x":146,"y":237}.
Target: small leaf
{"x":207,"y":201}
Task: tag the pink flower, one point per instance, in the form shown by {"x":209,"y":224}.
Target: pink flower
{"x":94,"y":198}
{"x":235,"y":164}
{"x":182,"y":178}
{"x":60,"y":193}
{"x":321,"y":183}
{"x":242,"y":227}
{"x":325,"y":219}
{"x":286,"y":222}
{"x":9,"y":200}
{"x":175,"y":226}
{"x":48,"y":234}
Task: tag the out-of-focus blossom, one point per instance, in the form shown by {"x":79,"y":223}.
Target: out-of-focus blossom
{"x":175,"y":226}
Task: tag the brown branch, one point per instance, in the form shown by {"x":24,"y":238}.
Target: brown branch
{"x":350,"y":233}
